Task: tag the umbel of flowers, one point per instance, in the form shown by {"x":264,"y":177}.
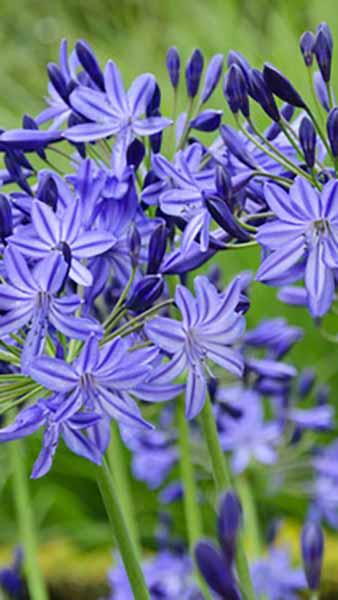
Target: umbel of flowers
{"x":110,"y":210}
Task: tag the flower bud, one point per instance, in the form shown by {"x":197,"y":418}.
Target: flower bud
{"x":134,"y":245}
{"x":215,"y":571}
{"x":281,"y":86}
{"x":193,"y":72}
{"x":6,"y":222}
{"x":306,"y":44}
{"x":236,"y":58}
{"x":307,"y":139}
{"x":332,"y":130}
{"x":321,"y":90}
{"x":145,"y":293}
{"x":173,"y":66}
{"x":157,"y":246}
{"x":312,"y":546}
{"x":223,"y":184}
{"x":236,"y":146}
{"x":286,"y":112}
{"x":47,"y":192}
{"x":207,"y":120}
{"x":228,"y":524}
{"x":223,"y":216}
{"x":260,"y":92}
{"x":322,"y":394}
{"x":58,"y":81}
{"x":236,"y":91}
{"x":212,"y":76}
{"x":305,"y":382}
{"x":135,"y":153}
{"x":89,"y":62}
{"x":322,"y":48}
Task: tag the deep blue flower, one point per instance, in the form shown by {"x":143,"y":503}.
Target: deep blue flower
{"x":306,"y":227}
{"x":274,"y":577}
{"x":208,"y":330}
{"x":312,"y":546}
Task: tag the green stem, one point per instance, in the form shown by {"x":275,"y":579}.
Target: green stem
{"x":111,"y":319}
{"x":35,"y":582}
{"x":223,"y":481}
{"x":252,"y":531}
{"x":190,"y":497}
{"x":108,"y":488}
{"x":314,"y":595}
{"x":124,"y":329}
{"x":117,"y":463}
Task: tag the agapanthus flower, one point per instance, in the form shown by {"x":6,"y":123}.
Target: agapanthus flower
{"x":274,"y":577}
{"x":242,"y":429}
{"x":115,"y":112}
{"x":99,"y":379}
{"x":305,"y":228}
{"x":31,"y":298}
{"x":51,"y":232}
{"x":209,"y":328}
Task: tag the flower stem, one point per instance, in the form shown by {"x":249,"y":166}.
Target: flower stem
{"x":252,"y":533}
{"x":223,"y":481}
{"x":117,"y":464}
{"x":190,"y":496}
{"x":35,"y":581}
{"x":108,"y":488}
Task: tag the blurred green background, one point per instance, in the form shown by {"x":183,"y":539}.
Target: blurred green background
{"x":137,"y":33}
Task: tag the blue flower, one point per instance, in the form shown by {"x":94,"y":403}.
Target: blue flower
{"x":274,"y":577}
{"x":209,"y":328}
{"x":49,"y":233}
{"x":242,"y":429}
{"x":31,"y":297}
{"x":306,"y":227}
{"x":99,"y":379}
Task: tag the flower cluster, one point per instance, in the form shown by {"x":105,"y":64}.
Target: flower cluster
{"x":101,"y":315}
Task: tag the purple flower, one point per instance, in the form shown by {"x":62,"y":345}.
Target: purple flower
{"x":115,"y":112}
{"x":306,"y":227}
{"x":30,"y":297}
{"x":208,"y":330}
{"x":47,"y":414}
{"x":50,"y":231}
{"x":242,"y":429}
{"x":274,"y":577}
{"x":99,"y":379}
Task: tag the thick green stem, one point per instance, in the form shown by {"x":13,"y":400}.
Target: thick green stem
{"x":314,"y":595}
{"x":117,"y":463}
{"x":223,"y":481}
{"x":109,"y":491}
{"x":35,"y":581}
{"x":190,"y":497}
{"x":251,"y":524}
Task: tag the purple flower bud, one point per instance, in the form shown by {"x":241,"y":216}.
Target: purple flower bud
{"x":281,"y":86}
{"x":212,"y":76}
{"x":28,"y":140}
{"x":58,"y":81}
{"x":134,"y":245}
{"x":14,"y":168}
{"x":229,"y":522}
{"x":223,"y":216}
{"x":322,"y":394}
{"x":29,"y":123}
{"x":260,"y":92}
{"x":286,"y":112}
{"x":173,"y":66}
{"x":207,"y":120}
{"x":332,"y":130}
{"x":145,"y":293}
{"x":235,"y":91}
{"x":6,"y":222}
{"x":306,"y":44}
{"x":305,"y":382}
{"x":193,"y":72}
{"x":322,"y":48}
{"x":89,"y":62}
{"x":236,"y":58}
{"x":312,"y":546}
{"x":321,"y":90}
{"x":223,"y":184}
{"x":135,"y":153}
{"x":154,"y":103}
{"x":292,"y":294}
{"x":157,"y":247}
{"x":215,"y":571}
{"x":236,"y":146}
{"x":307,"y":139}
{"x":47,"y":192}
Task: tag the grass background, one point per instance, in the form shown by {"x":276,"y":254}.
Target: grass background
{"x":137,"y":34}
